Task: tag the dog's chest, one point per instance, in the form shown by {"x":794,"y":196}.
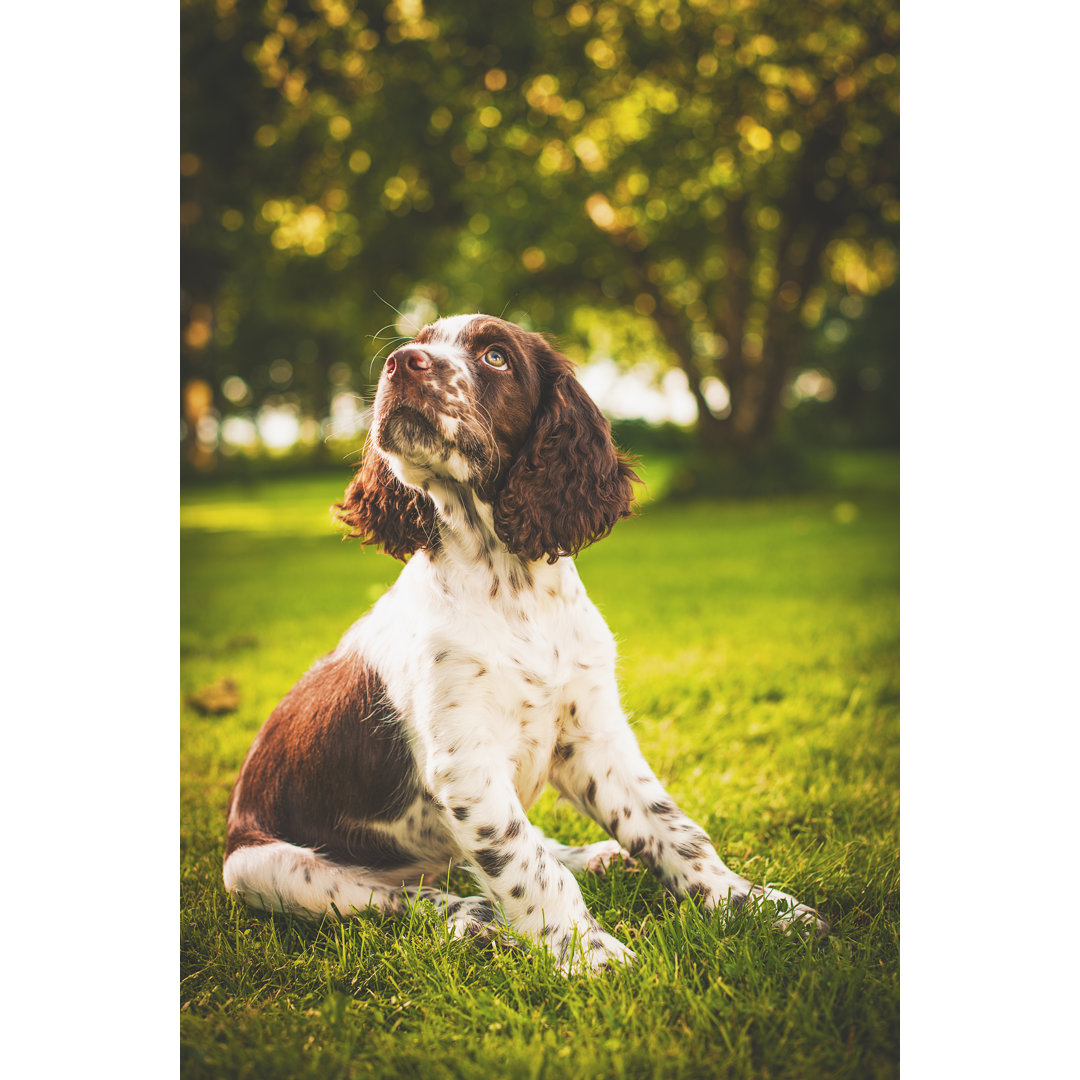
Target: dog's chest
{"x":519,"y":693}
{"x":475,"y":670}
{"x":529,"y":697}
{"x":532,"y":696}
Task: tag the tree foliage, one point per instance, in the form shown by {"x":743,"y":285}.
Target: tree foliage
{"x":712,"y":175}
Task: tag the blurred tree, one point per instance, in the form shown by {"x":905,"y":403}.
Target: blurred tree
{"x":285,"y":234}
{"x":726,"y":170}
{"x":857,"y":372}
{"x":738,"y":164}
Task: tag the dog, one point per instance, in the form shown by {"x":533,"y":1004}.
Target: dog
{"x":484,"y":673}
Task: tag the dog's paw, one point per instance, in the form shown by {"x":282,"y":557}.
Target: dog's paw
{"x":473,"y":917}
{"x":590,"y":952}
{"x":791,"y":915}
{"x":598,"y":857}
{"x":606,"y":952}
{"x":796,"y":918}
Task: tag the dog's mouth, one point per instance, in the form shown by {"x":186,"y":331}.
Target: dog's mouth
{"x":403,"y":429}
{"x":421,"y":436}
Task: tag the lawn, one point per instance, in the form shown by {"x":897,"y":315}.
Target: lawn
{"x":760,"y":665}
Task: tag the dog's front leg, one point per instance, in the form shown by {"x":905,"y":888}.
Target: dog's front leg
{"x":539,"y":897}
{"x":599,"y":768}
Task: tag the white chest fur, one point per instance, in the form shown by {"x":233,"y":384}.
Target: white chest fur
{"x":489,"y":661}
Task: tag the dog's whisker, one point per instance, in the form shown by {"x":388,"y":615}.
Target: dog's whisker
{"x":388,"y":346}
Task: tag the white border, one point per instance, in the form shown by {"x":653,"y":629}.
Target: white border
{"x":91,"y":904}
{"x":989,"y":539}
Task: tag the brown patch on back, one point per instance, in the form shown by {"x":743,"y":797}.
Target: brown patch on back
{"x":332,"y":756}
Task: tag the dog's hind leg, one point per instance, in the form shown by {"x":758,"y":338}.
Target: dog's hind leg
{"x":282,"y":877}
{"x":590,"y":858}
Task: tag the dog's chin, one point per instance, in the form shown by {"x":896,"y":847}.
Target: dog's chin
{"x":408,"y":433}
{"x":416,"y":450}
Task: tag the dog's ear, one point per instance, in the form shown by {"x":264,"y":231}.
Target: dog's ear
{"x":568,"y":485}
{"x":380,"y":509}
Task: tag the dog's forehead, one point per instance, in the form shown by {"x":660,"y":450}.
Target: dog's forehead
{"x":465,"y":331}
{"x":452,"y":329}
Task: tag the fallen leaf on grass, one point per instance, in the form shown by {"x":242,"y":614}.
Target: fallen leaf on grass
{"x":217,"y":699}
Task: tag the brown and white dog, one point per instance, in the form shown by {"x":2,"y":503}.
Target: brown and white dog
{"x":484,"y":673}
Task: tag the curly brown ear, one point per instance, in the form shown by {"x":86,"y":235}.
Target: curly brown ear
{"x":569,"y":485}
{"x":381,"y":510}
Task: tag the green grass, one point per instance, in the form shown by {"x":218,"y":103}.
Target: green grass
{"x":759,"y":661}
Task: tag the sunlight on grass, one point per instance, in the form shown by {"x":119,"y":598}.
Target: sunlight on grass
{"x":250,"y":517}
{"x":290,"y":507}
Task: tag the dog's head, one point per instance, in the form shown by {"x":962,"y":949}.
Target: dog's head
{"x":477,"y":401}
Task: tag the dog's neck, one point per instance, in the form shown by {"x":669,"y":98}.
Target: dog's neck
{"x":469,"y":548}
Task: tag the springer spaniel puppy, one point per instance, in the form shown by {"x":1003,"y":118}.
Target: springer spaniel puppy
{"x":484,"y":673}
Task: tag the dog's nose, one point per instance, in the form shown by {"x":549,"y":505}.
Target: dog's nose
{"x":408,"y":359}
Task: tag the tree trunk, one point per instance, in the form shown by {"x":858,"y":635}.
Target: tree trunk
{"x":755,"y":388}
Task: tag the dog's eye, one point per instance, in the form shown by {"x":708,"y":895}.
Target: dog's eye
{"x":495,"y":358}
